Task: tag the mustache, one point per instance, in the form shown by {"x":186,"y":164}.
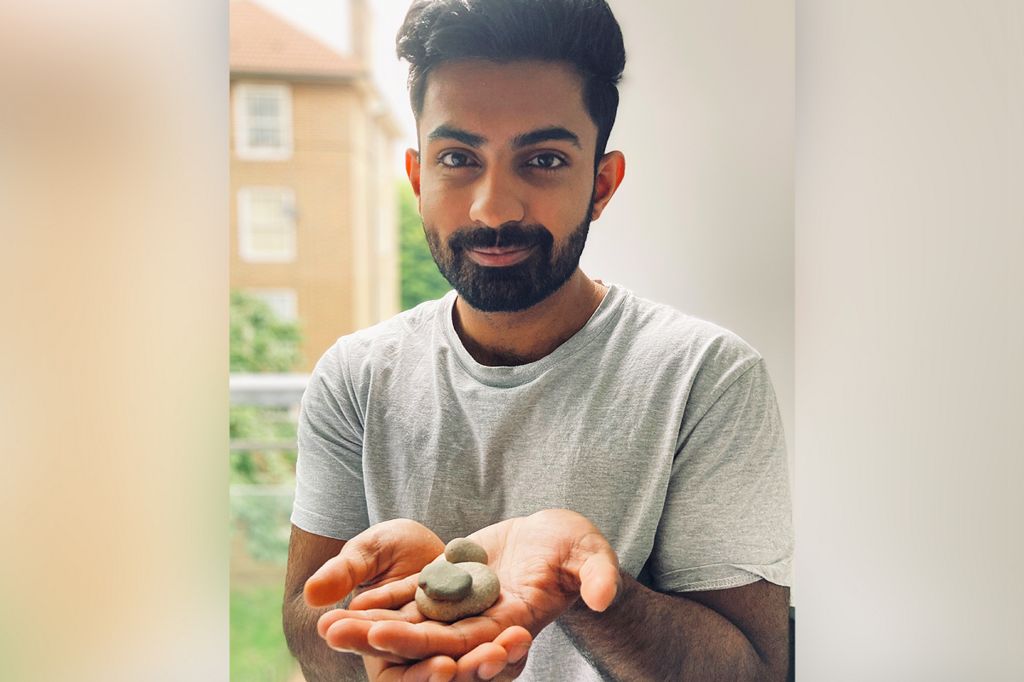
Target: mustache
{"x":514,"y":235}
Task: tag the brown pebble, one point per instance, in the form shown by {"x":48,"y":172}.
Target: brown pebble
{"x":461,"y":550}
{"x":484,"y":593}
{"x":444,"y":581}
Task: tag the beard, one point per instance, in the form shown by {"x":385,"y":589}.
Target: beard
{"x":515,"y":287}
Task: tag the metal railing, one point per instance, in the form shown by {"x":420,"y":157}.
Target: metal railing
{"x":268,"y":390}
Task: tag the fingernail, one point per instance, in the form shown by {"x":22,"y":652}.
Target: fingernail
{"x":516,"y":653}
{"x":341,"y":650}
{"x":490,"y":669}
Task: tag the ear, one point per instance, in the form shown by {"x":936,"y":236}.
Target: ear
{"x":610,"y":171}
{"x":412,"y":170}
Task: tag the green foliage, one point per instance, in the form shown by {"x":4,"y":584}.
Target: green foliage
{"x":262,"y":515}
{"x":258,"y":423}
{"x":258,"y":649}
{"x":263,"y":468}
{"x":260,"y":342}
{"x":420,"y":278}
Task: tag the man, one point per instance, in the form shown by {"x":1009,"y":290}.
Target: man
{"x":622,"y":463}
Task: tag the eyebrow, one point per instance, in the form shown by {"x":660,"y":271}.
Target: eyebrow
{"x":546,"y":135}
{"x":518,"y":142}
{"x":463,"y":136}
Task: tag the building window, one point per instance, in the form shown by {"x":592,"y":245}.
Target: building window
{"x":284,"y":302}
{"x":266,"y":224}
{"x":263,"y":121}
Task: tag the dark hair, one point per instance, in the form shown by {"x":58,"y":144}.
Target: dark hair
{"x":583,"y":33}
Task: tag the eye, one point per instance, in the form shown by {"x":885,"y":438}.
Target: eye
{"x":547,"y":161}
{"x":455,"y":160}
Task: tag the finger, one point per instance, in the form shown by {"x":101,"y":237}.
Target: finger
{"x":349,"y":636}
{"x":409,"y":613}
{"x":418,"y":640}
{"x":356,"y":563}
{"x":482,"y":663}
{"x":390,"y":596}
{"x":434,"y":669}
{"x":515,"y":640}
{"x":512,"y":670}
{"x":599,"y":579}
{"x":328,"y":619}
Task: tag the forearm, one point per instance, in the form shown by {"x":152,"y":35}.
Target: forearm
{"x":319,"y":662}
{"x":646,"y":635}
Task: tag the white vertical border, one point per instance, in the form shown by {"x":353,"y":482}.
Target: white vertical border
{"x":910,"y":338}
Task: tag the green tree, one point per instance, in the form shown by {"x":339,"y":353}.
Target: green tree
{"x":260,"y":342}
{"x":420,"y":278}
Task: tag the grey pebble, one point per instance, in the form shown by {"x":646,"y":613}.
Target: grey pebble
{"x":485,"y":592}
{"x":460,"y":550}
{"x":444,"y":581}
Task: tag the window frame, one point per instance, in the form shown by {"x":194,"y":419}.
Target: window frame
{"x":246,"y":250}
{"x":265,"y":293}
{"x":243,"y":150}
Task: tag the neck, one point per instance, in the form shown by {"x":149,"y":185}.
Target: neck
{"x":506,"y":339}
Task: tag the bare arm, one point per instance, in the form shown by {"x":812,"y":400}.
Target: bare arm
{"x":306,"y":553}
{"x":738,"y":634}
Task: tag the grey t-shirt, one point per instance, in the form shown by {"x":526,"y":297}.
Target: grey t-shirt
{"x":660,"y":428}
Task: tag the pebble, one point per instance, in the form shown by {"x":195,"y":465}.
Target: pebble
{"x":444,"y":581}
{"x":484,"y":592}
{"x":461,"y":550}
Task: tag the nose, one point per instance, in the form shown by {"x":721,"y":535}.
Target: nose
{"x":496,"y":201}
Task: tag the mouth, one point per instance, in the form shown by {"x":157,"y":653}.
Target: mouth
{"x":499,"y":256}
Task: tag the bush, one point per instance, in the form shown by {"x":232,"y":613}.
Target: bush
{"x":420,"y":278}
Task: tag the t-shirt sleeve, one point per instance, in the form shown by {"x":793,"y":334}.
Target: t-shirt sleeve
{"x":727,"y":517}
{"x":329,"y":495}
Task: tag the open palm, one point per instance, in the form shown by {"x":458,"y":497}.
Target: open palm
{"x":544,"y":563}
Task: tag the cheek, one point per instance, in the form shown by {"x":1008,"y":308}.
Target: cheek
{"x":568,"y":209}
{"x":582,"y":188}
{"x":441,"y":209}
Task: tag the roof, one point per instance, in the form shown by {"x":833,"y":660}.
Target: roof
{"x":262,"y":42}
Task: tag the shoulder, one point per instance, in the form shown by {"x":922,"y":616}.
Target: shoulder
{"x":357,"y":356}
{"x":687,"y":342}
{"x":693,"y":357}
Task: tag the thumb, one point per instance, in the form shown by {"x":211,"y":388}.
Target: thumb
{"x":599,"y":579}
{"x":355,"y":564}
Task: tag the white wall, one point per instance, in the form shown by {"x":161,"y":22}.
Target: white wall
{"x":704,"y":219}
{"x":910,"y":340}
{"x":903,"y":384}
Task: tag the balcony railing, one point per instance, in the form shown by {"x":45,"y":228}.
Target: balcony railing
{"x":260,"y":524}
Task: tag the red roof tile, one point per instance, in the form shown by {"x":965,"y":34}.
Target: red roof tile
{"x":262,"y":42}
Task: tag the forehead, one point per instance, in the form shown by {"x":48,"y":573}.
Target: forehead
{"x":500,"y":100}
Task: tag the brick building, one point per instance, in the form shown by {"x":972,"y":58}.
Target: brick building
{"x":313,"y":207}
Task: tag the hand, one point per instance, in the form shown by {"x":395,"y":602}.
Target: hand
{"x":489,"y":661}
{"x":379,"y":556}
{"x":544,"y":562}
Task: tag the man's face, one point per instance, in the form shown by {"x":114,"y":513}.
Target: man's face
{"x":505,"y":178}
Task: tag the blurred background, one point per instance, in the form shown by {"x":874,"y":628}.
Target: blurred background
{"x":324,"y":240}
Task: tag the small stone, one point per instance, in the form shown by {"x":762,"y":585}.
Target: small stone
{"x":444,"y":581}
{"x":461,"y":550}
{"x":485,"y":591}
